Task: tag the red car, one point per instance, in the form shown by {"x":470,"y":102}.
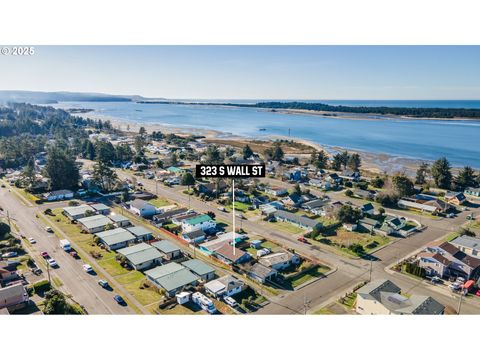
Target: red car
{"x":477,"y":293}
{"x":74,"y":254}
{"x":303,"y":240}
{"x":45,"y":255}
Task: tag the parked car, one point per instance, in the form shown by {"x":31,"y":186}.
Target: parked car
{"x":230,"y":301}
{"x":119,"y":299}
{"x":9,"y":254}
{"x":460,"y":280}
{"x":36,"y":271}
{"x":263,"y":252}
{"x":31,"y":240}
{"x":88,"y":268}
{"x":436,"y":280}
{"x":103,"y":284}
{"x":44,"y":254}
{"x":303,"y":240}
{"x":74,"y":254}
{"x":455,"y":286}
{"x":48,"y":229}
{"x":221,"y":208}
{"x":52,"y":262}
{"x":477,"y":293}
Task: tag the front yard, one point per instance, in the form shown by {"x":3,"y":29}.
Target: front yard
{"x":287,"y":227}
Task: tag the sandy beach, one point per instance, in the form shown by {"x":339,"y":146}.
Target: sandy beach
{"x":371,"y":162}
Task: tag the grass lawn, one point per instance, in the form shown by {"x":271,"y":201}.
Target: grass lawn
{"x":367,"y":240}
{"x":112,"y":267}
{"x":451,"y":236}
{"x":73,"y":231}
{"x":324,"y":311}
{"x":300,"y":279}
{"x":144,"y":296}
{"x":30,"y":197}
{"x":349,"y":300}
{"x":287,"y":227}
{"x":238,"y":207}
{"x":131,"y":277}
{"x":159,"y":202}
{"x":257,"y":298}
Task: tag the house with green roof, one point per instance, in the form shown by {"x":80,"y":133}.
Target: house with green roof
{"x":78,"y":212}
{"x":200,"y":222}
{"x":172,"y":277}
{"x":169,"y":250}
{"x":198,"y":267}
{"x":141,"y":233}
{"x":116,"y":239}
{"x":95,"y":224}
{"x":141,"y":256}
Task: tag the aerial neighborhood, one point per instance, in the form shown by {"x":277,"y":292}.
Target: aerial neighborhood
{"x":87,"y":205}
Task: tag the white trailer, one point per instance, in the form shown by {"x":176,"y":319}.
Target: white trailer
{"x":65,"y":245}
{"x":204,"y":302}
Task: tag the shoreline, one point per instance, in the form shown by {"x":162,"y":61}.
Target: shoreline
{"x":378,"y":163}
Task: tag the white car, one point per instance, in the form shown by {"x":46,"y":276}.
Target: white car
{"x":230,"y":301}
{"x":52,"y":262}
{"x":48,"y":229}
{"x":263,"y":252}
{"x":88,"y":268}
{"x":32,"y":240}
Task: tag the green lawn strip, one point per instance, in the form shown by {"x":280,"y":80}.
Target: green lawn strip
{"x":284,"y":226}
{"x":159,"y":202}
{"x":349,"y":300}
{"x":131,"y":277}
{"x":238,"y":207}
{"x":451,"y":236}
{"x":144,"y":296}
{"x":300,"y":279}
{"x":324,"y":311}
{"x":112,"y":267}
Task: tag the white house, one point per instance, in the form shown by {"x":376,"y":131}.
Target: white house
{"x":227,"y":285}
{"x":142,"y":208}
{"x":200,"y":222}
{"x":58,"y":195}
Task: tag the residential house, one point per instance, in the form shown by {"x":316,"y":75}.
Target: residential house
{"x":101,"y":208}
{"x":141,"y":256}
{"x":95,"y":224}
{"x":473,"y":191}
{"x":276,"y":191}
{"x":314,"y":204}
{"x":412,"y":205}
{"x":455,"y":198}
{"x":227,"y":285}
{"x":383,"y":297}
{"x":301,"y":221}
{"x":364,"y":194}
{"x":119,"y":220}
{"x":77,"y":212}
{"x":59,"y":195}
{"x":169,"y":250}
{"x":368,"y":209}
{"x":294,"y":200}
{"x":262,"y":273}
{"x":368,"y":224}
{"x":13,"y":297}
{"x":178,"y":219}
{"x":350,"y":175}
{"x":195,"y":236}
{"x":280,"y":261}
{"x":293,"y":175}
{"x":167,"y":216}
{"x":467,"y":244}
{"x":141,"y":233}
{"x":116,"y":239}
{"x":199,"y":268}
{"x":334,"y":178}
{"x":142,"y":208}
{"x":172,"y":277}
{"x":211,"y":188}
{"x":226,"y":254}
{"x":200,"y":222}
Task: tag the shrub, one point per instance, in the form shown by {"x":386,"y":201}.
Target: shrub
{"x":349,"y":193}
{"x":42,"y":285}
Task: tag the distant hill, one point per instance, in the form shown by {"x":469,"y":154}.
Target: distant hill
{"x":40,"y":97}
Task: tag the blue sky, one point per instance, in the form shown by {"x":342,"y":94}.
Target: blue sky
{"x":251,"y":72}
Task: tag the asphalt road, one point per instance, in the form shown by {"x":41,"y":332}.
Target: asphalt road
{"x":349,"y":272}
{"x":76,"y":282}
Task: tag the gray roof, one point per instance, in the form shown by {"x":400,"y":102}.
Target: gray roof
{"x":467,"y":241}
{"x":118,"y":218}
{"x":115,"y":236}
{"x":422,"y":305}
{"x":99,"y":206}
{"x":77,"y":210}
{"x":261,"y":270}
{"x":374,"y":288}
{"x":275,"y":258}
{"x":166,"y":246}
{"x":139,"y":203}
{"x":140,"y":253}
{"x":172,"y":276}
{"x":95,"y":221}
{"x":305,"y":221}
{"x":194,"y":234}
{"x":198,"y":267}
{"x":139,"y":231}
{"x":11,"y":292}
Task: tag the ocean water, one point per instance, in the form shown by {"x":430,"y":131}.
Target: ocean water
{"x":459,"y":141}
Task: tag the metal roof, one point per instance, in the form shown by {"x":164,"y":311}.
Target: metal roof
{"x":165,"y":246}
{"x":115,"y":236}
{"x":140,"y":253}
{"x":198,"y":267}
{"x":139,"y":231}
{"x":77,"y":210}
{"x":95,"y":221}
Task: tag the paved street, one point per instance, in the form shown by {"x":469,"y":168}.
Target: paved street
{"x":82,"y":286}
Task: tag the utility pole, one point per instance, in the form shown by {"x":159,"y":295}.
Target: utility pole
{"x":460,"y":302}
{"x":306,"y":304}
{"x":48,"y":271}
{"x":233,"y":213}
{"x":8,"y":219}
{"x":370,"y":277}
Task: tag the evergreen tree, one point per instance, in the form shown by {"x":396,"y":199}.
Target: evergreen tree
{"x":403,"y":185}
{"x":61,"y":169}
{"x":247,"y":152}
{"x":421,"y":175}
{"x":465,"y":178}
{"x":354,"y":162}
{"x":337,"y":162}
{"x":28,"y":174}
{"x":104,"y":176}
{"x":441,"y":173}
